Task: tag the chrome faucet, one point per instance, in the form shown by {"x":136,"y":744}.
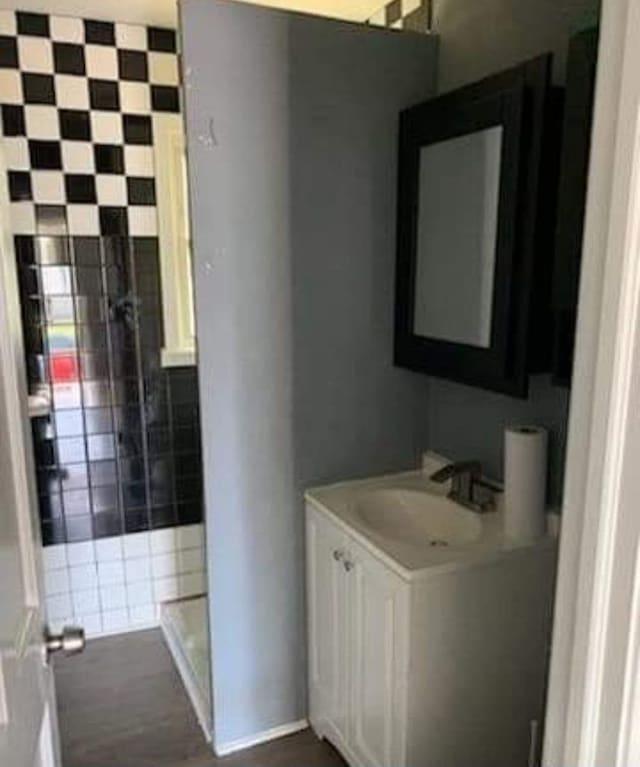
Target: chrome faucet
{"x":468,"y":488}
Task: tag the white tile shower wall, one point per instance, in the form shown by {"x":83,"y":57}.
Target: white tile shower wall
{"x":113,"y":585}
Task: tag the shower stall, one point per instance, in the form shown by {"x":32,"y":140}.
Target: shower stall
{"x":117,"y":447}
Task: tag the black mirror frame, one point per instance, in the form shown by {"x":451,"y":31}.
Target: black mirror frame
{"x":516,"y":100}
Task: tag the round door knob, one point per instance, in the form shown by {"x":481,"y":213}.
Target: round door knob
{"x":70,"y":641}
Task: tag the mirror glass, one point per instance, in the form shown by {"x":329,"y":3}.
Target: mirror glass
{"x":459,"y":182}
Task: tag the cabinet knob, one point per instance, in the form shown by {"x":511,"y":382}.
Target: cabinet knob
{"x":337,"y":555}
{"x":348,"y":566}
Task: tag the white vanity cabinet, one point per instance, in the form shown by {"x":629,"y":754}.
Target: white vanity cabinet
{"x":358,"y":631}
{"x":328,"y":635}
{"x":426,"y":670}
{"x":378,"y":605}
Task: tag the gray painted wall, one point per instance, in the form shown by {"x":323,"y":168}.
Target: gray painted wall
{"x":293,"y":212}
{"x":484,"y":36}
{"x":476,"y":39}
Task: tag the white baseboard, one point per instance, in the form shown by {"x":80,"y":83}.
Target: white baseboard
{"x":222,"y":749}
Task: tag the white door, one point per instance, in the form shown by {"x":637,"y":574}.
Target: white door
{"x":593,"y":706}
{"x":327,"y":628}
{"x":28,"y":725}
{"x":379,"y":634}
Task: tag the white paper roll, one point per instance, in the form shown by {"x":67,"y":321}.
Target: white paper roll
{"x":525,"y":482}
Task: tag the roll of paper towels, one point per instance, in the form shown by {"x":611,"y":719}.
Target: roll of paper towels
{"x":525,"y":482}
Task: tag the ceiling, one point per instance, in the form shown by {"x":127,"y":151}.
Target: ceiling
{"x":353,"y":10}
{"x":164,"y":13}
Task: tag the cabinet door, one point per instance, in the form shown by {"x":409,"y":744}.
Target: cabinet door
{"x":328,"y":685}
{"x":379,"y":609}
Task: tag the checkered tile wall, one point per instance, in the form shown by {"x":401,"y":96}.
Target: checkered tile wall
{"x":78,"y":102}
{"x":411,"y":15}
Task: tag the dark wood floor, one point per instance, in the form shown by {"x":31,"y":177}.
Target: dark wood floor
{"x":122,"y":704}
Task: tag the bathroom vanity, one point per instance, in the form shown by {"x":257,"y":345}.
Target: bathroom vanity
{"x":428,"y":631}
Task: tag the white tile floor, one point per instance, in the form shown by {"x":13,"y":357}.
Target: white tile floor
{"x":116,"y":584}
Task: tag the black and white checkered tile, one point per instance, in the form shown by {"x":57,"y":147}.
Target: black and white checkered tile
{"x":411,"y":15}
{"x":78,"y":101}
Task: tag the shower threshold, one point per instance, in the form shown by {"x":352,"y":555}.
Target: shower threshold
{"x":185,"y":628}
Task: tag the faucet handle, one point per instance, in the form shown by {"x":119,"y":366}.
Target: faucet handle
{"x":455,"y":469}
{"x":467,"y":486}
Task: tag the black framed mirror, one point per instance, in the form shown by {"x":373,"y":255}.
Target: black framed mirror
{"x":468,"y":209}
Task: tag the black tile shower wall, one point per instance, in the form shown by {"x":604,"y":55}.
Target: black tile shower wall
{"x":120,"y":451}
{"x":79,"y":102}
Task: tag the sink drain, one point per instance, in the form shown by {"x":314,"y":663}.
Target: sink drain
{"x":438,"y":542}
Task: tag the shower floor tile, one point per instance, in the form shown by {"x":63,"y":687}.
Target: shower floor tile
{"x":122,"y":703}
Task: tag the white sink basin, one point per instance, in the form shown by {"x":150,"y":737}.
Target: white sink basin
{"x":417,"y":517}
